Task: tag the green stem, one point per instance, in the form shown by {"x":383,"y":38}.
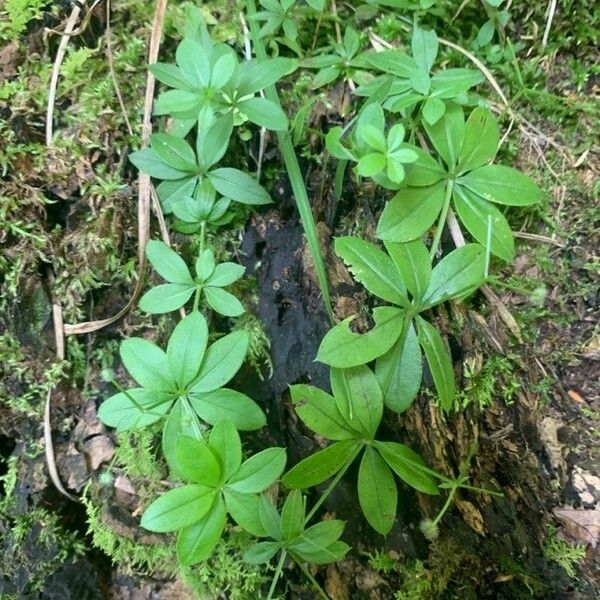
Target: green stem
{"x":310,"y":577}
{"x":446,"y":505}
{"x":196,"y":300}
{"x":293,"y":169}
{"x":332,"y":485}
{"x":442,"y":220}
{"x":202,"y":235}
{"x":277,"y":575}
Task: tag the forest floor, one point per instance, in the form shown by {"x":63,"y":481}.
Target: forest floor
{"x":68,"y":235}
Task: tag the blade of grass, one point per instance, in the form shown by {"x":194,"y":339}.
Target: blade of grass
{"x":293,"y":169}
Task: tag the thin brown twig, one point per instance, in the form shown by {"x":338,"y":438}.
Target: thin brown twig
{"x":60,"y":55}
{"x":144,"y":184}
{"x":111,"y":67}
{"x":84,"y":23}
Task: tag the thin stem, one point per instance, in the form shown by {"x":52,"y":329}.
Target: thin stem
{"x":294,"y":173}
{"x":196,"y":300}
{"x":277,"y":575}
{"x":310,"y":577}
{"x":202,"y":236}
{"x":332,"y":485}
{"x":442,"y":221}
{"x":446,"y":505}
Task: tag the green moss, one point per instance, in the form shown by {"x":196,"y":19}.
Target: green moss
{"x":566,"y":555}
{"x":16,"y":14}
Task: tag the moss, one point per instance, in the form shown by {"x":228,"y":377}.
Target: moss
{"x":566,"y":555}
{"x":16,"y":14}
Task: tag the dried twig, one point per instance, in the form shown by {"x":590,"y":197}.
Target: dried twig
{"x":551,"y":11}
{"x":144,"y":185}
{"x":111,"y":67}
{"x":60,"y":55}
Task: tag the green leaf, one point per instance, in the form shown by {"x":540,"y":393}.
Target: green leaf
{"x":409,"y":466}
{"x":121,"y":413}
{"x":226,"y":444}
{"x":370,"y":115}
{"x":147,"y":364}
{"x":447,"y":134}
{"x":223,"y":69}
{"x":269,"y":518}
{"x":377,"y":492}
{"x":167,"y":263}
{"x":186,"y":347}
{"x":481,"y":140}
{"x":343,"y":348}
{"x":371,"y":164}
{"x":439,"y":361}
{"x":261,"y":553}
{"x":259,"y":471}
{"x":173,"y":151}
{"x":457,"y":274}
{"x":393,"y":61}
{"x":223,"y":302}
{"x":181,"y":421}
{"x":264,"y":113}
{"x":196,"y":462}
{"x":182,"y":104}
{"x":147,"y":161}
{"x":225,"y":274}
{"x":423,"y":172}
{"x":321,"y":465}
{"x":197,"y":542}
{"x":165,"y":298}
{"x":373,"y":268}
{"x":433,"y":110}
{"x":424,"y":45}
{"x":212,"y":142}
{"x":413,"y":262}
{"x":325,"y":76}
{"x":256,"y":75}
{"x":170,"y":192}
{"x":374,"y":137}
{"x":244,"y":510}
{"x":238,"y":186}
{"x":221,"y":362}
{"x":318,"y":544}
{"x":321,"y":61}
{"x":475,"y":213}
{"x":399,"y":372}
{"x":359,"y":399}
{"x":292,"y":515}
{"x":170,"y":75}
{"x":410,"y":213}
{"x":322,"y":556}
{"x":334,"y":145}
{"x":178,"y":508}
{"x":205,"y":264}
{"x":450,"y":83}
{"x":224,"y":403}
{"x":194,"y":63}
{"x":503,"y":185}
{"x":319,"y":412}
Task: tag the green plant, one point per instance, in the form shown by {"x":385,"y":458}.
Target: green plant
{"x":399,"y":330}
{"x":566,"y":555}
{"x":219,"y":484}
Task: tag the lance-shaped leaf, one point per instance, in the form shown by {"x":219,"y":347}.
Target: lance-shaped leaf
{"x":224,"y":403}
{"x":481,"y":140}
{"x":292,"y":515}
{"x":447,"y":134}
{"x":244,"y":510}
{"x":135,"y":409}
{"x":409,"y":466}
{"x":147,"y":364}
{"x":322,"y":465}
{"x":195,"y":461}
{"x":167,"y":263}
{"x":414,"y":264}
{"x":186,"y":347}
{"x":399,"y":371}
{"x":149,"y":162}
{"x":410,"y":213}
{"x":178,"y":508}
{"x":424,"y":171}
{"x":258,"y":472}
{"x":173,"y":151}
{"x":225,"y":442}
{"x":373,"y":268}
{"x":439,"y":361}
{"x":457,"y":274}
{"x":503,"y":185}
{"x":197,"y":542}
{"x":343,"y":348}
{"x":480,"y":216}
{"x":319,"y":412}
{"x":377,"y":492}
{"x":238,"y":186}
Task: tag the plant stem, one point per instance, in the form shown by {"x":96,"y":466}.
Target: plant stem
{"x":295,"y":175}
{"x":277,"y":575}
{"x":446,"y":505}
{"x":332,"y":485}
{"x":442,"y":220}
{"x":202,"y":235}
{"x":310,"y":577}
